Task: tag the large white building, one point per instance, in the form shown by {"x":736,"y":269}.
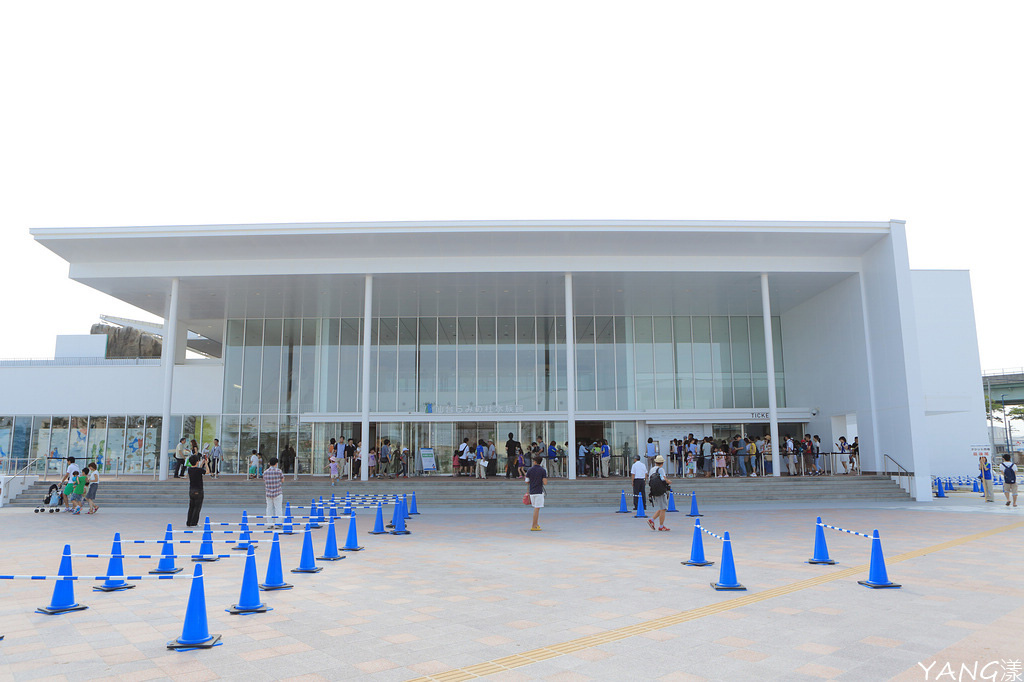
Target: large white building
{"x":427,"y":333}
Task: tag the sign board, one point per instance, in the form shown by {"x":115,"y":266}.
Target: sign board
{"x":982,"y":451}
{"x":427,"y":457}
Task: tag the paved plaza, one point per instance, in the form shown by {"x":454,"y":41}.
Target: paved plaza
{"x":595,"y":595}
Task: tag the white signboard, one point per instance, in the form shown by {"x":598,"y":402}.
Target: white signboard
{"x":427,"y":457}
{"x":982,"y":451}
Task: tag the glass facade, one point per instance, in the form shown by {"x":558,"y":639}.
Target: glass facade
{"x":469,"y":367}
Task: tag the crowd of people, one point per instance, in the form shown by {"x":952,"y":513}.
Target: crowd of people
{"x":690,"y":457}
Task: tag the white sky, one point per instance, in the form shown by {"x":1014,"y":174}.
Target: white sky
{"x":137,"y":113}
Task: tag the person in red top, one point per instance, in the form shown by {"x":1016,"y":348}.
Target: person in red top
{"x":273,"y":480}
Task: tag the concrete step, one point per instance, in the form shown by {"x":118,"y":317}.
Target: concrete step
{"x":492,"y":492}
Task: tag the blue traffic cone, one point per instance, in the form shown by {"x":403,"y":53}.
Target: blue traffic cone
{"x":306,"y":562}
{"x":394,"y":517}
{"x":820,"y":548}
{"x":244,"y":540}
{"x":977,"y":487}
{"x":166,"y":565}
{"x":314,"y":521}
{"x":286,"y":525}
{"x":400,"y":519}
{"x":249,"y":599}
{"x":195,"y":634}
{"x":412,"y":509}
{"x":640,"y":508}
{"x":877,"y":576}
{"x":693,"y":505}
{"x":378,"y":527}
{"x":727,"y":575}
{"x":622,"y":504}
{"x":405,"y":507}
{"x":334,"y":503}
{"x":114,"y":567}
{"x":697,"y":548}
{"x":320,"y":517}
{"x":206,"y":546}
{"x":333,"y":512}
{"x":939,"y":491}
{"x":331,"y":544}
{"x":351,"y":544}
{"x":63,"y":599}
{"x":275,"y":576}
{"x":348,"y":504}
{"x":671,"y":502}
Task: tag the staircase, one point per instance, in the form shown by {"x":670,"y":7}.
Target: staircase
{"x":493,"y":492}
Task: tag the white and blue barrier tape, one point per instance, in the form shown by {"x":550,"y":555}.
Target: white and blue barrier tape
{"x":182,"y":542}
{"x":714,"y":535}
{"x":158,"y":556}
{"x":851,"y":532}
{"x":96,"y":577}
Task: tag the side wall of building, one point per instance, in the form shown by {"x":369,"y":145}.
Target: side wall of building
{"x":893,"y":351}
{"x":950,"y":370}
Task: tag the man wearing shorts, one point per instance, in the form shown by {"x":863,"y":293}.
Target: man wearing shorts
{"x":538,"y":479}
{"x":1009,"y":480}
{"x":659,"y":503}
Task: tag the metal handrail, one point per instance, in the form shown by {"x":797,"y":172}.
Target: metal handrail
{"x":902,"y":470}
{"x":23,"y":471}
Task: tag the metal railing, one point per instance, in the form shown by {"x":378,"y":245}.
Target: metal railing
{"x":899,"y":474}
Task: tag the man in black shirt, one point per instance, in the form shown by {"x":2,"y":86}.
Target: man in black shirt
{"x":512,"y":449}
{"x":538,"y":478}
{"x":195,"y":489}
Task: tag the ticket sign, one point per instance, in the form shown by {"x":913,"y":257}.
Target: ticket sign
{"x":981,"y":451}
{"x":427,"y":457}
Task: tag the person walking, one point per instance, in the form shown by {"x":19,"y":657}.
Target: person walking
{"x":538,"y":479}
{"x":986,"y":477}
{"x":1009,"y":479}
{"x":660,"y":489}
{"x":196,"y":472}
{"x":639,"y":474}
{"x":254,"y":467}
{"x":273,"y":482}
{"x":93,"y":477}
{"x":179,"y":458}
{"x":606,"y":458}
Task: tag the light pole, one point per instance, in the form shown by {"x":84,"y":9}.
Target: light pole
{"x":1006,"y":427}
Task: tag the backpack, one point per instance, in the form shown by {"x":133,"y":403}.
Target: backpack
{"x":1009,"y":474}
{"x":657,"y":484}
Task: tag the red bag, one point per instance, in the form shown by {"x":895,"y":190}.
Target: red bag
{"x":526,"y":498}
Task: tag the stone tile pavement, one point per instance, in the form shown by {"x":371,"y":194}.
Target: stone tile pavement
{"x":594,"y":596}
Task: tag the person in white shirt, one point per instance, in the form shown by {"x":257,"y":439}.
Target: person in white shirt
{"x":179,"y":456}
{"x":639,"y":473}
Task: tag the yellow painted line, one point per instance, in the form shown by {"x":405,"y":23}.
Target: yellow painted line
{"x":543,"y":653}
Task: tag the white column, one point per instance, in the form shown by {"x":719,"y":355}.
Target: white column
{"x":879,"y":464}
{"x":364,"y":469}
{"x":773,"y":403}
{"x":167,"y":357}
{"x":570,"y":377}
